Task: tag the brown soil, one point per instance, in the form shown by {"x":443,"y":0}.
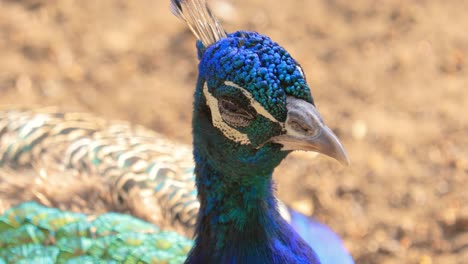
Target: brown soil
{"x":390,"y":77}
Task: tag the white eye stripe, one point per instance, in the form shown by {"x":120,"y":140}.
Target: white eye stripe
{"x":218,"y":122}
{"x":300,"y":70}
{"x":228,"y":131}
{"x":256,"y":105}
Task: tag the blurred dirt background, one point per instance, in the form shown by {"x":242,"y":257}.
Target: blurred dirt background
{"x":390,"y":77}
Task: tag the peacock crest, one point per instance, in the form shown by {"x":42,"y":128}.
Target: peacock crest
{"x":200,"y":20}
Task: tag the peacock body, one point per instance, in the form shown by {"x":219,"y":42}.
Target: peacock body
{"x":142,"y":168}
{"x":252,"y":107}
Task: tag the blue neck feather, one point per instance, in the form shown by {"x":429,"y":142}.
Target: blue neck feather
{"x":240,"y":224}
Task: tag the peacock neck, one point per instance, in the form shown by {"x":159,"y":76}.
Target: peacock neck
{"x":238,"y":220}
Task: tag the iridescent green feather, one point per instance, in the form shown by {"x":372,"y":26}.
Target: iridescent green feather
{"x":31,"y":233}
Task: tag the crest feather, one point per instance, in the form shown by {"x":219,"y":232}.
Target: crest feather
{"x":203,"y":24}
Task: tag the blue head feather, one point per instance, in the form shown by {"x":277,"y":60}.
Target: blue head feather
{"x":258,"y":64}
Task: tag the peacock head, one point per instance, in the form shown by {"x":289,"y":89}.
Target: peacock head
{"x":252,"y":103}
{"x":255,"y":99}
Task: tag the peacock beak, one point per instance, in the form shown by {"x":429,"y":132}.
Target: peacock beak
{"x":305,"y":130}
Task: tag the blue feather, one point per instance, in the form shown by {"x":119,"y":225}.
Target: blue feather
{"x":327,"y":244}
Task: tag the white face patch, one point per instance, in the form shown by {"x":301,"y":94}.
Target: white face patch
{"x":228,"y":131}
{"x":300,"y":70}
{"x":256,"y":105}
{"x":218,"y":122}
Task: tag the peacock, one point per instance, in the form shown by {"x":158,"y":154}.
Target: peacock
{"x":252,"y":106}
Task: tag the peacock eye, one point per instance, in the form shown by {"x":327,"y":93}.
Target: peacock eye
{"x":229,"y":105}
{"x":234,"y":113}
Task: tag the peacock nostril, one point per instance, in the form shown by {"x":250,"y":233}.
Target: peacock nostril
{"x":306,"y":129}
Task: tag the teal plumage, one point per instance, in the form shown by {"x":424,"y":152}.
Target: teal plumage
{"x":249,"y":110}
{"x":31,"y":233}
